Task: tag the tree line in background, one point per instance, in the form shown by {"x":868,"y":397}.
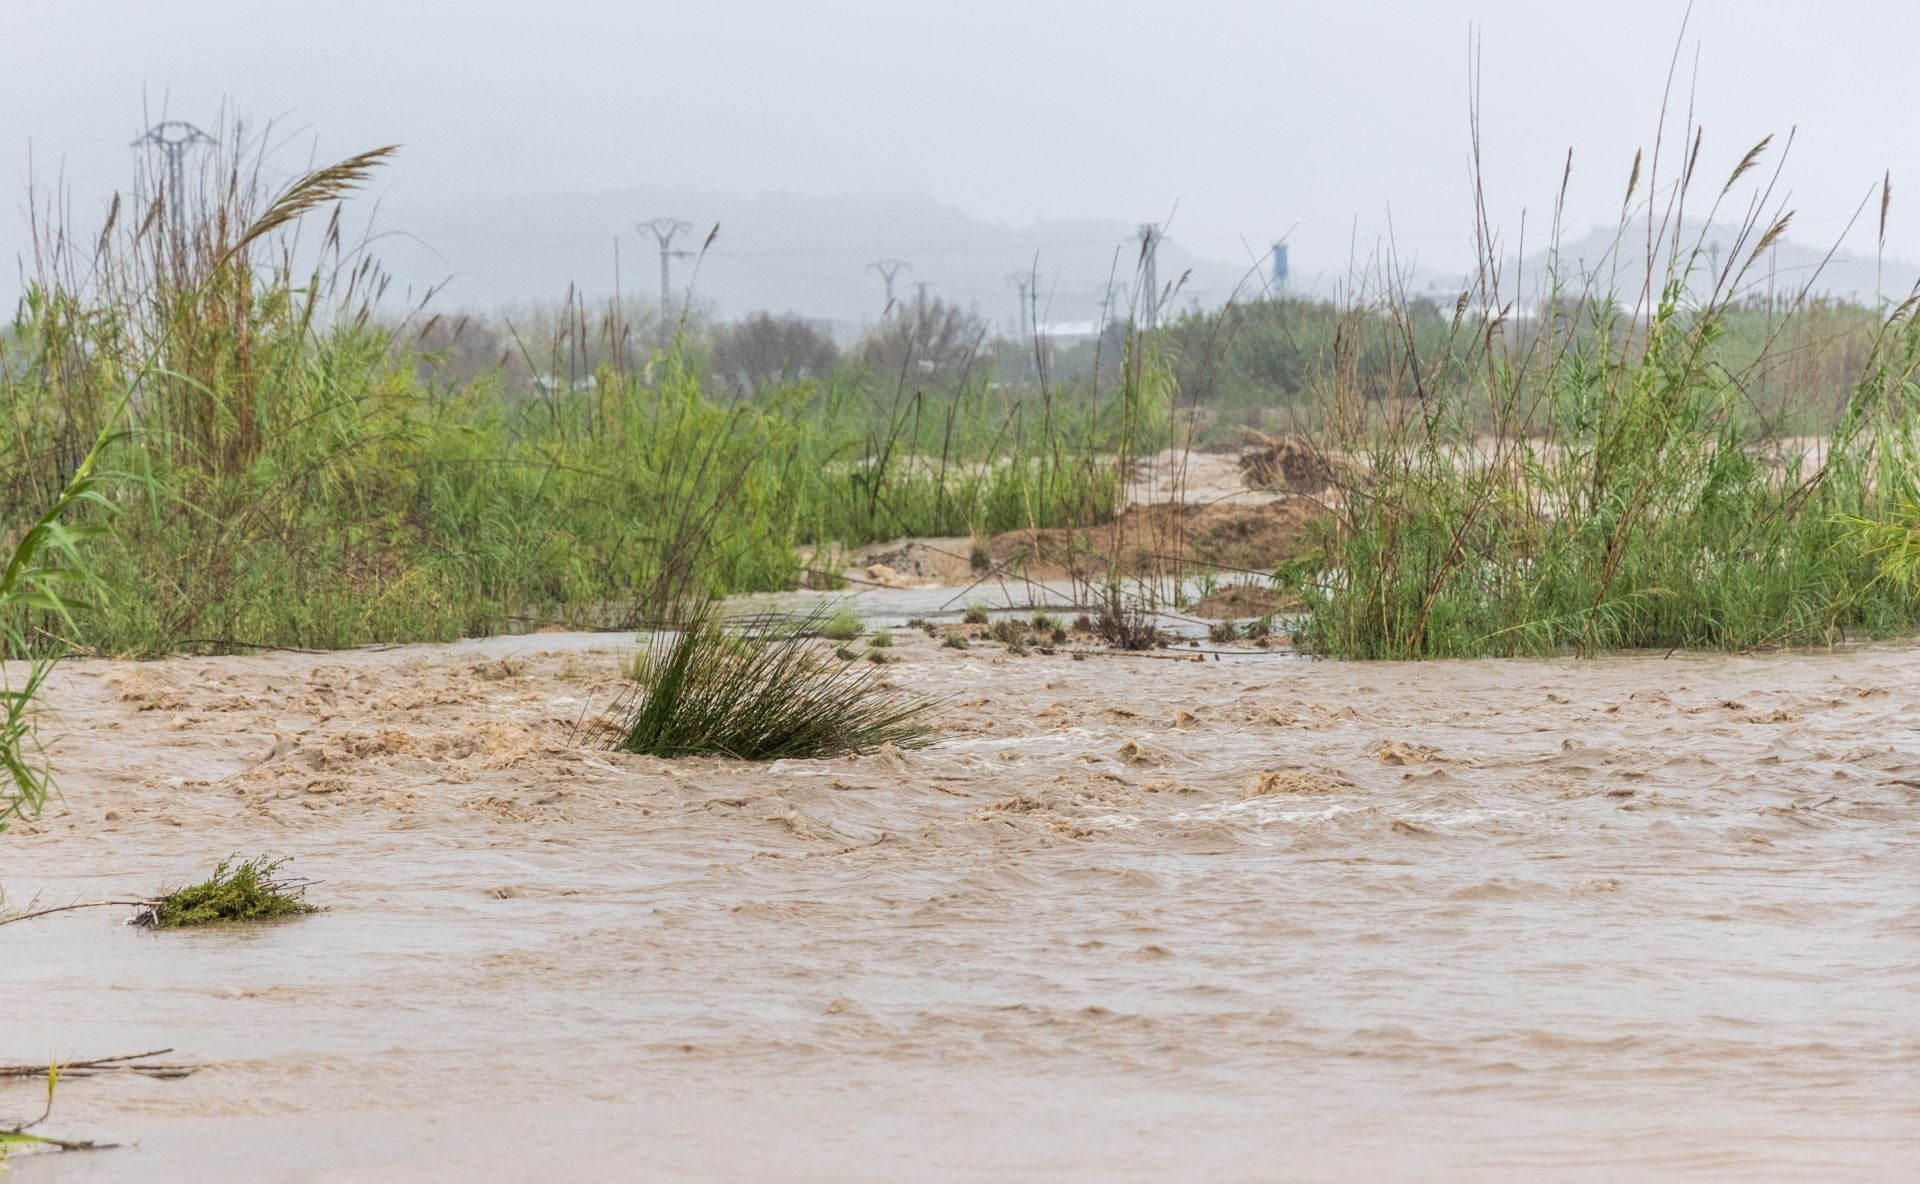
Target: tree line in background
{"x":1259,"y":365}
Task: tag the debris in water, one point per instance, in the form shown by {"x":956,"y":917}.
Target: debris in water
{"x":235,"y":892}
{"x":141,"y":1063}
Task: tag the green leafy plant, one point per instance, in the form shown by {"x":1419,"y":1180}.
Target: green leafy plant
{"x":44,"y":559}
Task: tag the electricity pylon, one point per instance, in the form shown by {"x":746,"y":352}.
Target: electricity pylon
{"x":175,"y":138}
{"x":888,"y":269}
{"x":666,"y":230}
{"x":1023,"y":280}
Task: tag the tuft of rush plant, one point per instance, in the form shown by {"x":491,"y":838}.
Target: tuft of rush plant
{"x":976,"y":614}
{"x":763,"y":692}
{"x":235,"y":892}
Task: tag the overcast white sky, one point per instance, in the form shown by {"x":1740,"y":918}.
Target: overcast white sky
{"x":1251,"y":118}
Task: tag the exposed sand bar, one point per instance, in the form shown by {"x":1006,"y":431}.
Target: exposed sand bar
{"x":1587,"y":920}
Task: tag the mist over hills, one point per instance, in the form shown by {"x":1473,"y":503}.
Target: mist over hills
{"x":811,"y":256}
{"x":781,"y":252}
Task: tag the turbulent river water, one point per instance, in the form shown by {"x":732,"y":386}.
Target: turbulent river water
{"x":1136,"y":918}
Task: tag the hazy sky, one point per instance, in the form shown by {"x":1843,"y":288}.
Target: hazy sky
{"x":1241,"y":121}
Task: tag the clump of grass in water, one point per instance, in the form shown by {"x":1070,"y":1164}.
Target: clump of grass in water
{"x":762,"y":694}
{"x":1007,"y":632}
{"x":247,"y":891}
{"x":976,"y":614}
{"x":1125,"y":626}
{"x":843,"y":625}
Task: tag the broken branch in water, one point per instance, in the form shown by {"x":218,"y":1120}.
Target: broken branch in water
{"x":16,"y":1138}
{"x":137,"y":1062}
{"x":90,"y":904}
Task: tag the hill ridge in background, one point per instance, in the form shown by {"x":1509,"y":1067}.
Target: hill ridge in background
{"x":779,"y":251}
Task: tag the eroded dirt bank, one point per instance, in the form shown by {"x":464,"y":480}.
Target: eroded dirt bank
{"x":1139,"y":919}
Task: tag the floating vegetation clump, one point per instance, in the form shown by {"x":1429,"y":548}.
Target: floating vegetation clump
{"x":762,"y":693}
{"x":249,"y":891}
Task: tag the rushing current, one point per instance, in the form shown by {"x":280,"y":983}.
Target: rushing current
{"x":1134,"y":918}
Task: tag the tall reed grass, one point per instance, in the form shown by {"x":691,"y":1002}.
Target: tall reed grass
{"x":305,"y":473}
{"x":44,"y":560}
{"x":1588,"y":468}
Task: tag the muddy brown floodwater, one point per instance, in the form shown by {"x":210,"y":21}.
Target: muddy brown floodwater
{"x":1136,"y":919}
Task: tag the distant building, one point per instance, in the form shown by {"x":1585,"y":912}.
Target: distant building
{"x":1068,"y":331}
